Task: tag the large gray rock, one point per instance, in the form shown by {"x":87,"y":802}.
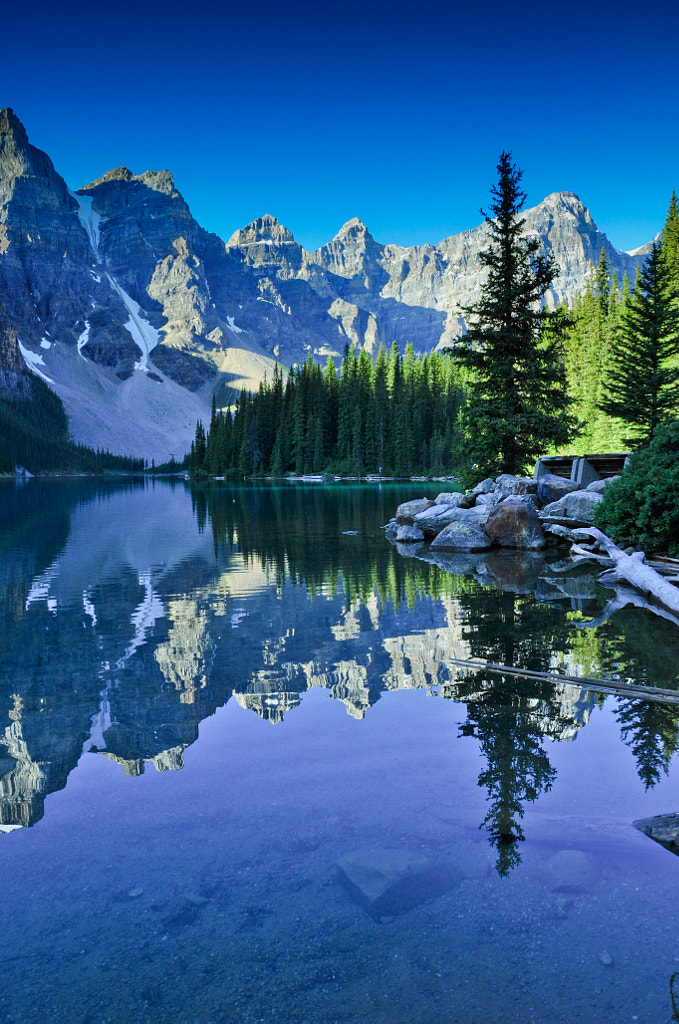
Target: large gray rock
{"x":388,"y":882}
{"x":578,"y":505}
{"x":489,"y":499}
{"x":483,"y":487}
{"x":391,"y":529}
{"x":599,"y":486}
{"x":455,"y":498}
{"x":432,"y":520}
{"x":476,"y":516}
{"x":572,"y":871}
{"x":552,"y":487}
{"x":515,"y":524}
{"x":663,"y":828}
{"x":516,"y":484}
{"x":406,"y":512}
{"x":460,"y":536}
{"x":409,"y":534}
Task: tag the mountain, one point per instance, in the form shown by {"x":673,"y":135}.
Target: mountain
{"x":135,"y":315}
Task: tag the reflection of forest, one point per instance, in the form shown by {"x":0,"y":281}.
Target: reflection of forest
{"x":123,"y":641}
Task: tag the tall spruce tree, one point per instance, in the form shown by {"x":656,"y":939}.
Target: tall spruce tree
{"x":518,"y":404}
{"x":643,"y":378}
{"x":670,"y":244}
{"x":594,"y":318}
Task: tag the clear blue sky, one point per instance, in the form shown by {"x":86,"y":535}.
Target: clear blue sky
{"x":394,"y":113}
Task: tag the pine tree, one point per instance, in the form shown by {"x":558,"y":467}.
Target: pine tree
{"x":518,"y":404}
{"x":670,"y":244}
{"x":642,"y":383}
{"x":602,"y":282}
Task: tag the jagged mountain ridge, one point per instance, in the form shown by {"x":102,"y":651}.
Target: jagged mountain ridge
{"x":135,"y":314}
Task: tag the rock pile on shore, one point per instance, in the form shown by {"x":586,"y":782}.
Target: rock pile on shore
{"x":508,"y":512}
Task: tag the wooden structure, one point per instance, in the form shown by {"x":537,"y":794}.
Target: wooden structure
{"x":582,"y":469}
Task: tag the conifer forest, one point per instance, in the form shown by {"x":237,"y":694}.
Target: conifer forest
{"x":613,"y":356}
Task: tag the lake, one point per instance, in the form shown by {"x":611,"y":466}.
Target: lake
{"x":245,"y":778}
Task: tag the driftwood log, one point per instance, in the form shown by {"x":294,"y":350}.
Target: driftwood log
{"x":635,"y":582}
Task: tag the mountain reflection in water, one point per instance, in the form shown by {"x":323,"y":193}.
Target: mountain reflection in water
{"x":131,"y":612}
{"x":391,"y":838}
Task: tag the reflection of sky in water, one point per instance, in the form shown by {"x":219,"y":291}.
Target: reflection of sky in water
{"x":212,"y":893}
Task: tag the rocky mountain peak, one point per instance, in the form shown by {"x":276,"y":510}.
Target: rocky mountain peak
{"x":566,"y":199}
{"x":264,"y":229}
{"x":352,"y":252}
{"x":10,"y":125}
{"x":158,"y":181}
{"x":19,"y":158}
{"x":353,"y":228}
{"x":117,"y":174}
{"x":563,"y":205}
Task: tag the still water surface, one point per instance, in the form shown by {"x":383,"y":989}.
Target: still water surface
{"x":210,"y":699}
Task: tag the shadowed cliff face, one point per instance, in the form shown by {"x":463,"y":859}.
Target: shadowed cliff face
{"x":135,"y":314}
{"x":13,"y":376}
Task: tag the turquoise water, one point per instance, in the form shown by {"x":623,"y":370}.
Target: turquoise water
{"x":210,"y":699}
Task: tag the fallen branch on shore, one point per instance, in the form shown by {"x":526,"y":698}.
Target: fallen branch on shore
{"x":649,"y":589}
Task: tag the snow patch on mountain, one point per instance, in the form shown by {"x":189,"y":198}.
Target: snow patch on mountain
{"x":232,"y":326}
{"x":91,"y":222}
{"x":84,"y":338}
{"x":34,"y":361}
{"x":143,"y":334}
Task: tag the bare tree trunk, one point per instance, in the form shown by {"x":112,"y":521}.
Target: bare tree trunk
{"x":654,"y":592}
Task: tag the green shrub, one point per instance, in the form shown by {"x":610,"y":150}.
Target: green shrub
{"x":642,"y":507}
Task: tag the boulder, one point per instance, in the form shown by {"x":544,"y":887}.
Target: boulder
{"x":432,"y":520}
{"x":571,"y":871}
{"x":579,"y":505}
{"x":476,"y":516}
{"x":599,"y":486}
{"x":552,"y":487}
{"x":450,"y":498}
{"x":387,"y":882}
{"x":408,"y":534}
{"x":516,"y":484}
{"x":489,"y":499}
{"x":461,"y":536}
{"x":406,"y":512}
{"x":391,"y":529}
{"x":663,"y":828}
{"x":485,"y":487}
{"x":515,"y":524}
